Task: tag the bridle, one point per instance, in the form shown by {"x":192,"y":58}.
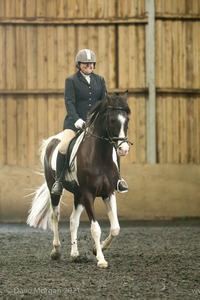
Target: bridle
{"x":110,"y":138}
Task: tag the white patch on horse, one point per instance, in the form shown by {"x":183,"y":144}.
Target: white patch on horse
{"x":74,"y":225}
{"x":55,"y":153}
{"x":114,"y":157}
{"x":54,"y":157}
{"x":124,"y":147}
{"x":96,"y":234}
{"x":122,"y":120}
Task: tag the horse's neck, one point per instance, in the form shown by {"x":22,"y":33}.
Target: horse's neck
{"x":99,"y":132}
{"x":103,"y":148}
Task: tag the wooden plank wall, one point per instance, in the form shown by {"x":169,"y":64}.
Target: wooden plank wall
{"x":39,"y":41}
{"x":178,"y":81}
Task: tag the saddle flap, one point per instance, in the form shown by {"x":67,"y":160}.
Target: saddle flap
{"x":73,"y":148}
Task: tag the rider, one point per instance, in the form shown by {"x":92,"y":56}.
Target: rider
{"x":82,"y":90}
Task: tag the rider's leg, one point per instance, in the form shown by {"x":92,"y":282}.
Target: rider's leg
{"x":57,"y":188}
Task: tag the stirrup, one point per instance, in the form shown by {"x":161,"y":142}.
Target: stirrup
{"x":122,"y":186}
{"x":57,"y":188}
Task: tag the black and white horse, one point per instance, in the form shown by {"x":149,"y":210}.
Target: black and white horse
{"x":92,"y":170}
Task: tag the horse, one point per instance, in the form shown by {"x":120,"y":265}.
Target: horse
{"x":91,"y":170}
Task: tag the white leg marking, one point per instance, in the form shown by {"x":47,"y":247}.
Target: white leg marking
{"x":96,"y":234}
{"x":74,"y":224}
{"x":111,"y":207}
{"x":55,"y":215}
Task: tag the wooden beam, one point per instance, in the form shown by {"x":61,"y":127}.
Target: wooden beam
{"x":177,"y":17}
{"x":61,"y":91}
{"x":93,"y":21}
{"x":150,"y":83}
{"x":144,"y":90}
{"x":81,"y":21}
{"x":185,"y":91}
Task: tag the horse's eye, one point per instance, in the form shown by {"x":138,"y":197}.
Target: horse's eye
{"x":113,"y":122}
{"x":114,"y":125}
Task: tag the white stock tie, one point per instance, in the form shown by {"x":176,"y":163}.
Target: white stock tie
{"x":87,"y":78}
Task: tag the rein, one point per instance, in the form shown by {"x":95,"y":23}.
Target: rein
{"x":110,"y":140}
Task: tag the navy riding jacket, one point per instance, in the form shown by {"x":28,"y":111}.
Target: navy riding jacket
{"x":80,"y":96}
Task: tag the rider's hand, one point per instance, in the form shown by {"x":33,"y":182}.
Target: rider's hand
{"x":79,"y":124}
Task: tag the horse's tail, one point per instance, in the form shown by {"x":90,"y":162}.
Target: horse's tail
{"x":39,"y":213}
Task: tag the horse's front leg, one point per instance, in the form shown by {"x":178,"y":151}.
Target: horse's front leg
{"x":111,"y":208}
{"x":96,"y":234}
{"x":74,"y":224}
{"x":88,"y":200}
{"x":55,"y":215}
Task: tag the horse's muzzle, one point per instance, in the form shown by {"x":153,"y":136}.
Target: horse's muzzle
{"x":123,"y":149}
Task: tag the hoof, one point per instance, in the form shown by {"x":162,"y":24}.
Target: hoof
{"x":103,"y":264}
{"x":76,"y":258}
{"x":80,"y":259}
{"x":74,"y":254}
{"x":55,"y":255}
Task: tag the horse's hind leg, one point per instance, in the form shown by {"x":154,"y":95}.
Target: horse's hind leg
{"x":114,"y":223}
{"x":55,"y":215}
{"x":74,"y":224}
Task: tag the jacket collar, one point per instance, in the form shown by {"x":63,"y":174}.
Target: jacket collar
{"x":82,"y":78}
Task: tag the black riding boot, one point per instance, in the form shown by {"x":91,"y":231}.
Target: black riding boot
{"x":122,"y":186}
{"x":60,"y":163}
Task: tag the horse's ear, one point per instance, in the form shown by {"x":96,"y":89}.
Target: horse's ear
{"x":125,"y":95}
